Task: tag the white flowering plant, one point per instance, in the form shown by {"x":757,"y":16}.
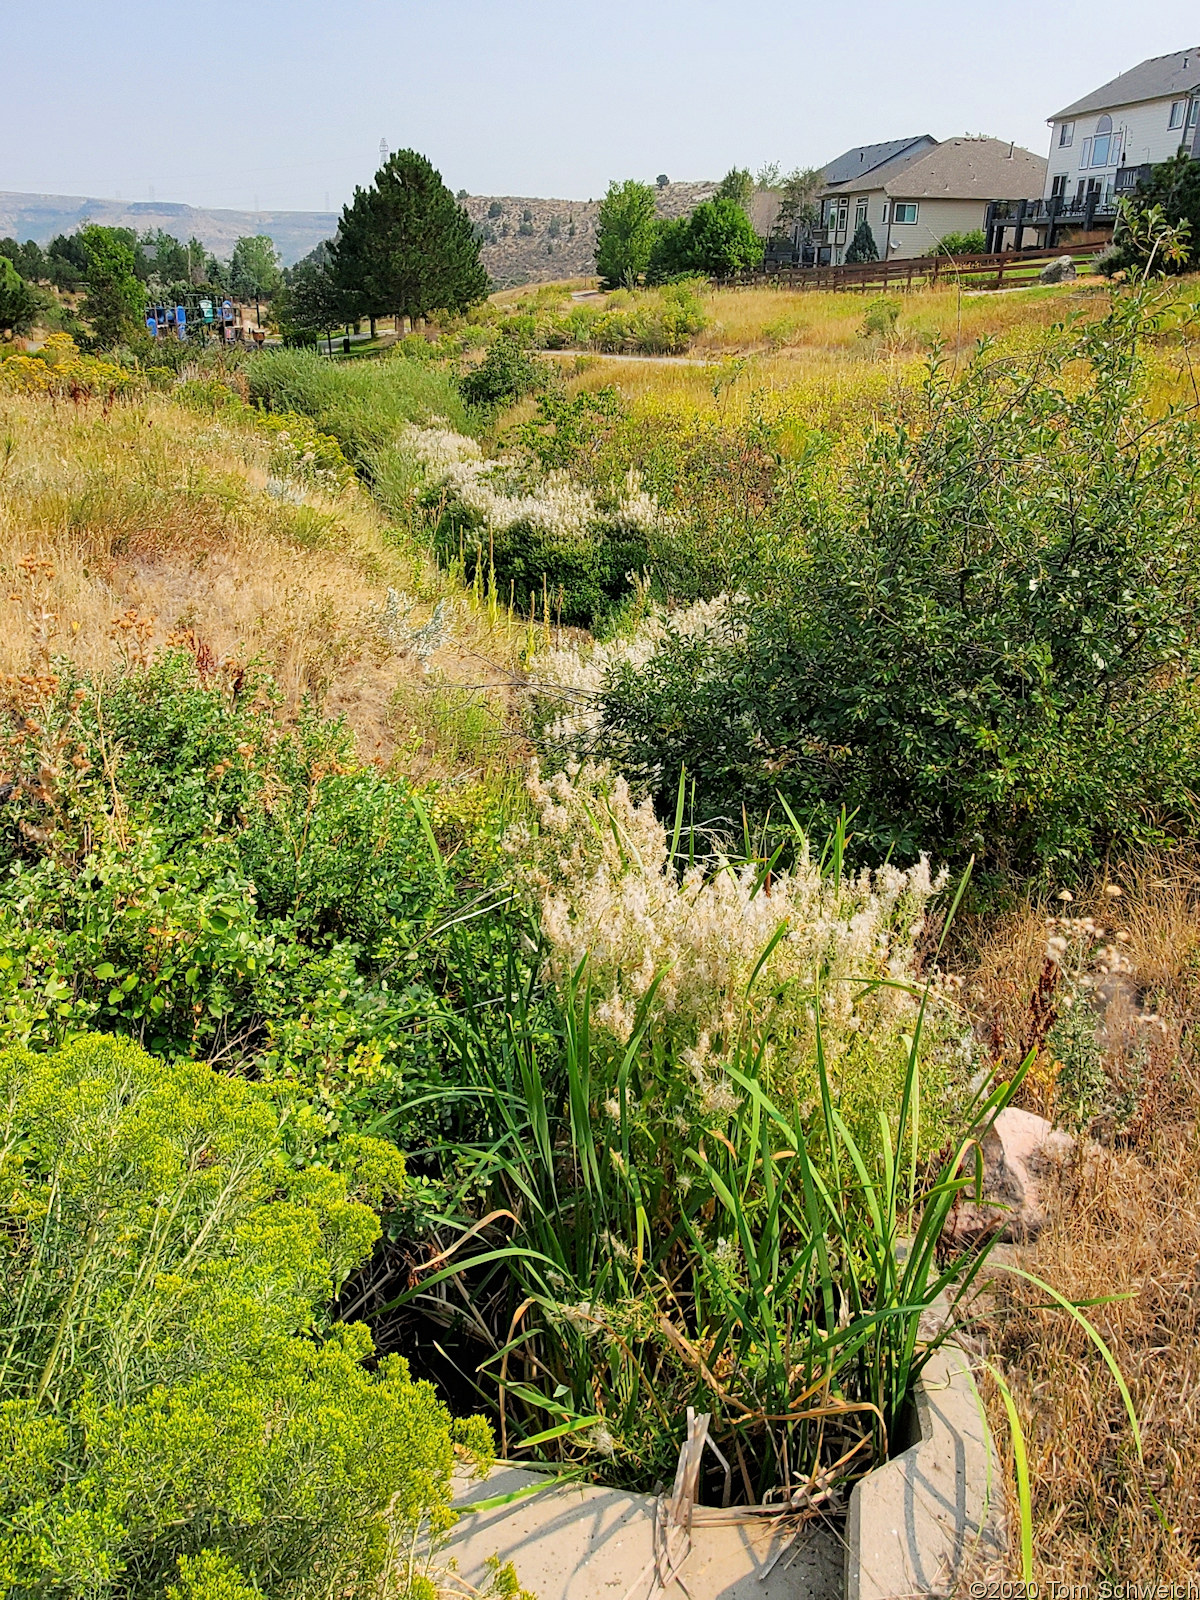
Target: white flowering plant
{"x":689,"y":1188}
{"x":542,"y":535}
{"x":707,"y":952}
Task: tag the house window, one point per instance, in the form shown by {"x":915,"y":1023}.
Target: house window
{"x":1085,"y":155}
{"x":884,"y":214}
{"x":860,"y":213}
{"x":1101,"y":142}
{"x":1176,"y":118}
{"x":1193,"y":113}
{"x":904,"y":211}
{"x":1059,"y":187}
{"x":1114,"y":150}
{"x":1066,"y":135}
{"x":843,"y":211}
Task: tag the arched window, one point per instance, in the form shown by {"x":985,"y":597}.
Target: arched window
{"x":1102,"y":142}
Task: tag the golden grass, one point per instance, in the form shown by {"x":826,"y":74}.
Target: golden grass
{"x":1128,"y":1227}
{"x":1126,"y":1223}
{"x":128,"y":526}
{"x":800,"y":359}
{"x":780,"y":319}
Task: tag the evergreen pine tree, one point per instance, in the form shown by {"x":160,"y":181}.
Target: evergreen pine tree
{"x":18,"y":307}
{"x":405,"y":247}
{"x":862,"y":246}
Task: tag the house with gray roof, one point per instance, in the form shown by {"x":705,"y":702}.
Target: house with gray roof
{"x":1104,"y":142}
{"x":1101,"y":147}
{"x":913,"y":192}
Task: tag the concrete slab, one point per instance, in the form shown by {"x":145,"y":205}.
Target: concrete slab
{"x":935,"y":1511}
{"x":585,"y":1543}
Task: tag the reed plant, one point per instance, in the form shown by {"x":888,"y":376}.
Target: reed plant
{"x":632,"y":1242}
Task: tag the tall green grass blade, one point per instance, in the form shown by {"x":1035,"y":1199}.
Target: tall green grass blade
{"x":1021,"y":1462}
{"x":679,"y":800}
{"x":1093,"y":1334}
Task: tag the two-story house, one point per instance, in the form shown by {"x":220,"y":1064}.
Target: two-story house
{"x":1101,"y":147}
{"x":913,"y":192}
{"x":1104,"y":142}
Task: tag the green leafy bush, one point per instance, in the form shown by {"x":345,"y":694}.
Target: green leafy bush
{"x":880,"y":318}
{"x":988,"y":642}
{"x":507,"y":372}
{"x":174,"y":1403}
{"x":179,"y":868}
{"x":1170,"y":198}
{"x":624,"y":233}
{"x":578,"y":578}
{"x":717,"y":240}
{"x":663,"y":325}
{"x":970,"y":243}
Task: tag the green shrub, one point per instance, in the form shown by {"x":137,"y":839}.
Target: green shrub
{"x":970,"y":243}
{"x":580,"y":578}
{"x":717,"y":240}
{"x":988,"y":643}
{"x":191,"y":874}
{"x":1170,"y":198}
{"x":174,"y":1402}
{"x":863,"y":246}
{"x":880,"y":319}
{"x":664,"y":325}
{"x":507,"y":372}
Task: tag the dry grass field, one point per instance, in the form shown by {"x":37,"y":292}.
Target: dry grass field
{"x":1124,"y":1236}
{"x":124,"y":527}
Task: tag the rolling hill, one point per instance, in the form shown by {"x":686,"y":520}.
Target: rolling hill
{"x":525,"y":239}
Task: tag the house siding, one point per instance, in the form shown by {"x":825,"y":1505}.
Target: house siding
{"x":1145,"y":137}
{"x":935,"y":219}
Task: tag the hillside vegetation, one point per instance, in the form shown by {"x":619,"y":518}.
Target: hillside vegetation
{"x":530,"y":240}
{"x":543,"y":861}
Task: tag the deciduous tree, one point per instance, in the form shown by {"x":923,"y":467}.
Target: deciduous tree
{"x":737,"y":185}
{"x":625,"y":231}
{"x":718,"y":240}
{"x":114,"y":301}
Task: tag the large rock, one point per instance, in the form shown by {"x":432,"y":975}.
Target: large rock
{"x":1021,"y":1151}
{"x":1060,"y":270}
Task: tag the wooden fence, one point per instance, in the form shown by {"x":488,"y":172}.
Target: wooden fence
{"x":980,"y":272}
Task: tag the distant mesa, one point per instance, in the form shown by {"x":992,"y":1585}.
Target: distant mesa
{"x":42,"y":216}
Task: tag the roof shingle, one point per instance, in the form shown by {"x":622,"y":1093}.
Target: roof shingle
{"x":967,"y":169}
{"x":1178,"y":73}
{"x":866,"y":158}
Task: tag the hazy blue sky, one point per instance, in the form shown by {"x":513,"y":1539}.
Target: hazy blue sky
{"x":284,"y":102}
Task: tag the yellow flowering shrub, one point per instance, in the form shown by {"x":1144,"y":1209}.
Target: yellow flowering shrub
{"x":61,"y":370}
{"x":176,"y":1407}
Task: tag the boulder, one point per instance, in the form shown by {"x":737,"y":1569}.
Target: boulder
{"x":1060,"y":270}
{"x":1020,"y":1152}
